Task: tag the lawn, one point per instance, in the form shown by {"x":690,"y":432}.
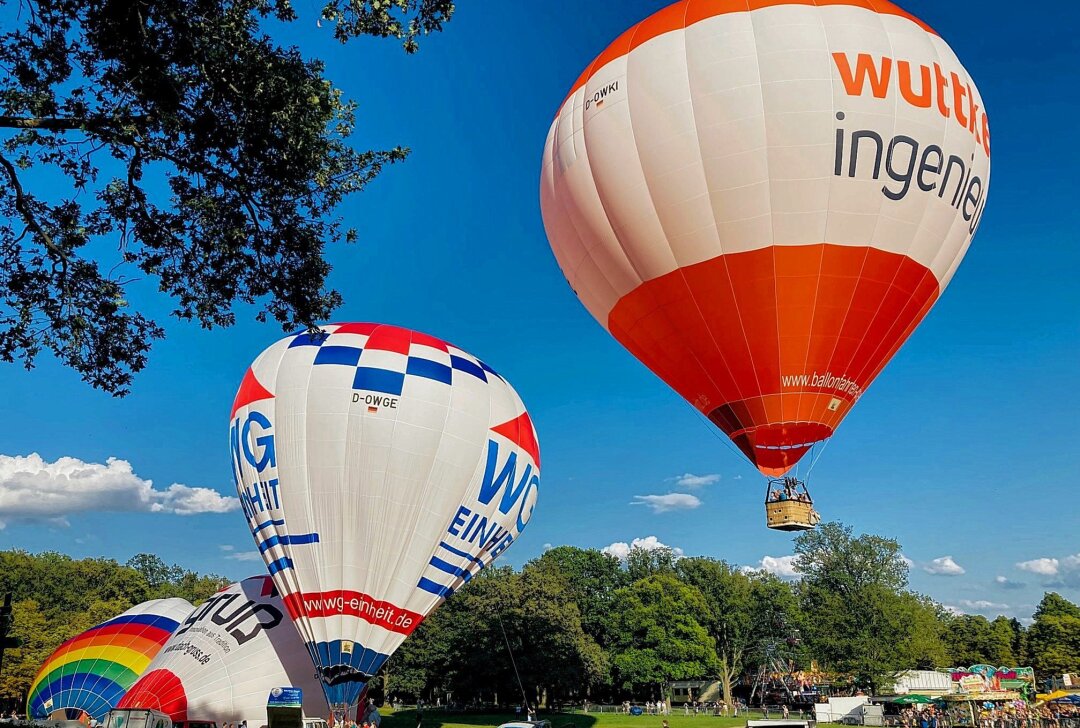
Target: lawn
{"x":442,"y":719}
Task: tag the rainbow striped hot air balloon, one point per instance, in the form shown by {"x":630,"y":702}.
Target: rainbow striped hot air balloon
{"x":91,"y":671}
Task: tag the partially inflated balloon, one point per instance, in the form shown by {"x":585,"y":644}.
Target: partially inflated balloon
{"x":224,"y":659}
{"x":761,"y":200}
{"x":90,"y":672}
{"x":379,"y":469}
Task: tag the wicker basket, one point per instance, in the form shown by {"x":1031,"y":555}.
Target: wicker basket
{"x":791,"y":515}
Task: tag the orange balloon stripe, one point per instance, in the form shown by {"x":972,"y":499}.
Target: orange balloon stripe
{"x":138,"y":642}
{"x":687,"y":12}
{"x":775,"y":345}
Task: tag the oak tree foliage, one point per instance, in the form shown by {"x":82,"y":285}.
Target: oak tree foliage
{"x":176,"y":141}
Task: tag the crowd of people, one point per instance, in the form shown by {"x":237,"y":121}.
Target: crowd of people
{"x":1015,"y":714}
{"x":1022,"y":715}
{"x":693,"y":707}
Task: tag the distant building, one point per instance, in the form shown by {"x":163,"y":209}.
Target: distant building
{"x":702,"y":691}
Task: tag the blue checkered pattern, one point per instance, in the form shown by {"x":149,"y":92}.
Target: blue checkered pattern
{"x":391,"y":381}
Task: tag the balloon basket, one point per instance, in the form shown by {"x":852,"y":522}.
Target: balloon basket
{"x":788,"y":505}
{"x":791,"y":516}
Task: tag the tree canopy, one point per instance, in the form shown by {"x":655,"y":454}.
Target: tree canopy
{"x":175,"y":140}
{"x":580,"y":624}
{"x":55,"y":597}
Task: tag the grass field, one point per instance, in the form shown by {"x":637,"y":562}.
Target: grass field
{"x":439,"y":719}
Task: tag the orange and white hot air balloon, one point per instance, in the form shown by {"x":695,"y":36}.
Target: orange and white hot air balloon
{"x":761,"y":200}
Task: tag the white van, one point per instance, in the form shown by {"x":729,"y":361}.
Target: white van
{"x":136,"y":718}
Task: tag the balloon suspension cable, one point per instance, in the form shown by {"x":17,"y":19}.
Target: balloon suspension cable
{"x":820,"y":451}
{"x":514,"y":664}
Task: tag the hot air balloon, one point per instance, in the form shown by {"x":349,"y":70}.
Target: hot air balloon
{"x":226,"y":657}
{"x":761,"y":200}
{"x":89,"y":673}
{"x":379,"y":469}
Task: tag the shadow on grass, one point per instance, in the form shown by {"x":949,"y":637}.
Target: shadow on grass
{"x":446,"y":719}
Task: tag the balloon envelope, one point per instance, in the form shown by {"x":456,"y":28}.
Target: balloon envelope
{"x":762,"y":199}
{"x":91,"y":671}
{"x":379,"y":469}
{"x":225,"y":658}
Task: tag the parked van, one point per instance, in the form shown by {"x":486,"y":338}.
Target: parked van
{"x":136,"y":718}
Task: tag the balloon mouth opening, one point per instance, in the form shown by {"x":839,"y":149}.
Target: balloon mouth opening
{"x":342,"y":674}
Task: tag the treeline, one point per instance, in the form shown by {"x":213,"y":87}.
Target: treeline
{"x":581,"y":624}
{"x":55,"y":597}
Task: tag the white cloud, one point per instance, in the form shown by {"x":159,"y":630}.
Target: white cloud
{"x":1006,"y":583}
{"x":907,"y":562}
{"x":33,"y":490}
{"x":782,"y":566}
{"x":226,"y":547}
{"x":548,"y":547}
{"x":669,"y":502}
{"x":689,"y":480}
{"x":245,"y":556}
{"x":1043,"y":566}
{"x":621,"y":549}
{"x":953,"y":609}
{"x":943,"y":566}
{"x":982,"y":605}
{"x":1060,"y":573}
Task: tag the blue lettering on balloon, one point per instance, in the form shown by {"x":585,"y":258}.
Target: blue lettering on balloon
{"x":502,"y":545}
{"x":459,"y":520}
{"x":504,"y":481}
{"x":234,"y":448}
{"x":521,"y":523}
{"x":493,"y":537}
{"x":266,"y":442}
{"x":255,"y":498}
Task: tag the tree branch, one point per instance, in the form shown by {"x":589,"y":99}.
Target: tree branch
{"x":60,"y":123}
{"x":22,"y":204}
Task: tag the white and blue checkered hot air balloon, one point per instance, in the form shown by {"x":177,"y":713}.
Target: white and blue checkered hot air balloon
{"x":379,"y":469}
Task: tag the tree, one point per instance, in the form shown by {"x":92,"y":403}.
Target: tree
{"x":926,"y":647}
{"x":730,"y":596}
{"x":642,"y":562}
{"x":1005,"y":636}
{"x":36,"y":641}
{"x":206,"y":156}
{"x":56,"y":597}
{"x":659,"y":634}
{"x":1054,"y":638}
{"x":852,"y":591}
{"x":592,"y":578}
{"x":155,"y":571}
{"x":970,"y":640}
{"x":499,"y":623}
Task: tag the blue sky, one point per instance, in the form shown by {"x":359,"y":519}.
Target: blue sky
{"x":964,"y":449}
